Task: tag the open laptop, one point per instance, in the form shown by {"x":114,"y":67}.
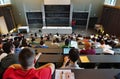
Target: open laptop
{"x":66,"y":51}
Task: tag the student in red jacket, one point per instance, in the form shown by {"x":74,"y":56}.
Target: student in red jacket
{"x":26,"y":69}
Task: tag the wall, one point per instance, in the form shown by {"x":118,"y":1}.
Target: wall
{"x":118,"y":3}
{"x":83,"y":5}
{"x":3,"y":26}
{"x":21,"y":6}
{"x":110,"y":19}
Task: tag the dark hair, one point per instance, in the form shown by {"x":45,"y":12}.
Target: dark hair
{"x":54,"y":41}
{"x":73,"y":54}
{"x":0,"y":40}
{"x":102,"y":42}
{"x":41,"y":38}
{"x":16,"y":43}
{"x":7,"y":47}
{"x":26,"y":57}
{"x":24,"y":42}
{"x":67,"y":42}
{"x":42,"y":42}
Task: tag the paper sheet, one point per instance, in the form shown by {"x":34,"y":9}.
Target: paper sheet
{"x":64,"y":74}
{"x":84,"y":59}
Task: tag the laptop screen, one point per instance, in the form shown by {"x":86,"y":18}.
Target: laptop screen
{"x":66,"y":50}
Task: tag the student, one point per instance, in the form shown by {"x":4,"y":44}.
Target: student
{"x":10,"y":59}
{"x":55,"y":44}
{"x":17,"y":47}
{"x":42,"y":45}
{"x":71,"y":60}
{"x":107,"y":49}
{"x":26,"y":69}
{"x":67,"y":44}
{"x":88,"y":50}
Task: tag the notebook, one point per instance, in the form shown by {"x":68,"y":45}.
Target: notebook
{"x":84,"y":59}
{"x":74,"y":44}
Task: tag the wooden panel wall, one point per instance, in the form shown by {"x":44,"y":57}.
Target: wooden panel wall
{"x":6,"y":12}
{"x":110,"y":19}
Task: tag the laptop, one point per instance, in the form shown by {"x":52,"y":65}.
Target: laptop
{"x":66,"y":51}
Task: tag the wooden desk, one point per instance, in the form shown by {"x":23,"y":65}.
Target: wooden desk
{"x":104,"y":58}
{"x":95,"y":73}
{"x":51,"y":58}
{"x":49,"y":50}
{"x":92,"y":58}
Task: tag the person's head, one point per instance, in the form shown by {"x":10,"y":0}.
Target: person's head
{"x":57,"y":34}
{"x":54,"y":41}
{"x":67,"y":42}
{"x":8,"y":47}
{"x":24,"y":43}
{"x":41,"y":38}
{"x":73,"y":54}
{"x":42,"y":42}
{"x":87,"y":45}
{"x":102,"y":42}
{"x":27,"y":58}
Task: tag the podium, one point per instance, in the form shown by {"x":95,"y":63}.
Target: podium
{"x":54,"y":30}
{"x":23,"y":29}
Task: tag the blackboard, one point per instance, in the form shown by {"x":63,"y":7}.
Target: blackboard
{"x":57,"y":15}
{"x":80,"y":18}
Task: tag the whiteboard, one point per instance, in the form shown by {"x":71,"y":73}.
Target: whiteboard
{"x":57,"y":2}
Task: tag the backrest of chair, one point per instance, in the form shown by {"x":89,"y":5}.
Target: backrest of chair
{"x":98,"y":50}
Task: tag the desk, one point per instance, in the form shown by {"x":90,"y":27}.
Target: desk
{"x":104,"y":58}
{"x":54,"y":30}
{"x":95,"y":73}
{"x":23,"y":29}
{"x":51,"y":58}
{"x":49,"y":50}
{"x":92,"y":58}
{"x":100,"y":50}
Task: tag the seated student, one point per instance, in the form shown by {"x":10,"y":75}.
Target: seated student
{"x":32,"y":37}
{"x":72,"y":59}
{"x":26,"y":69}
{"x":67,"y":43}
{"x":10,"y":59}
{"x":25,"y":43}
{"x":17,"y":47}
{"x":35,"y":35}
{"x":42,"y":45}
{"x":55,"y":44}
{"x":106,"y":48}
{"x":88,"y":50}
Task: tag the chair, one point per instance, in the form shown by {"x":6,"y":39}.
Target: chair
{"x":98,"y":51}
